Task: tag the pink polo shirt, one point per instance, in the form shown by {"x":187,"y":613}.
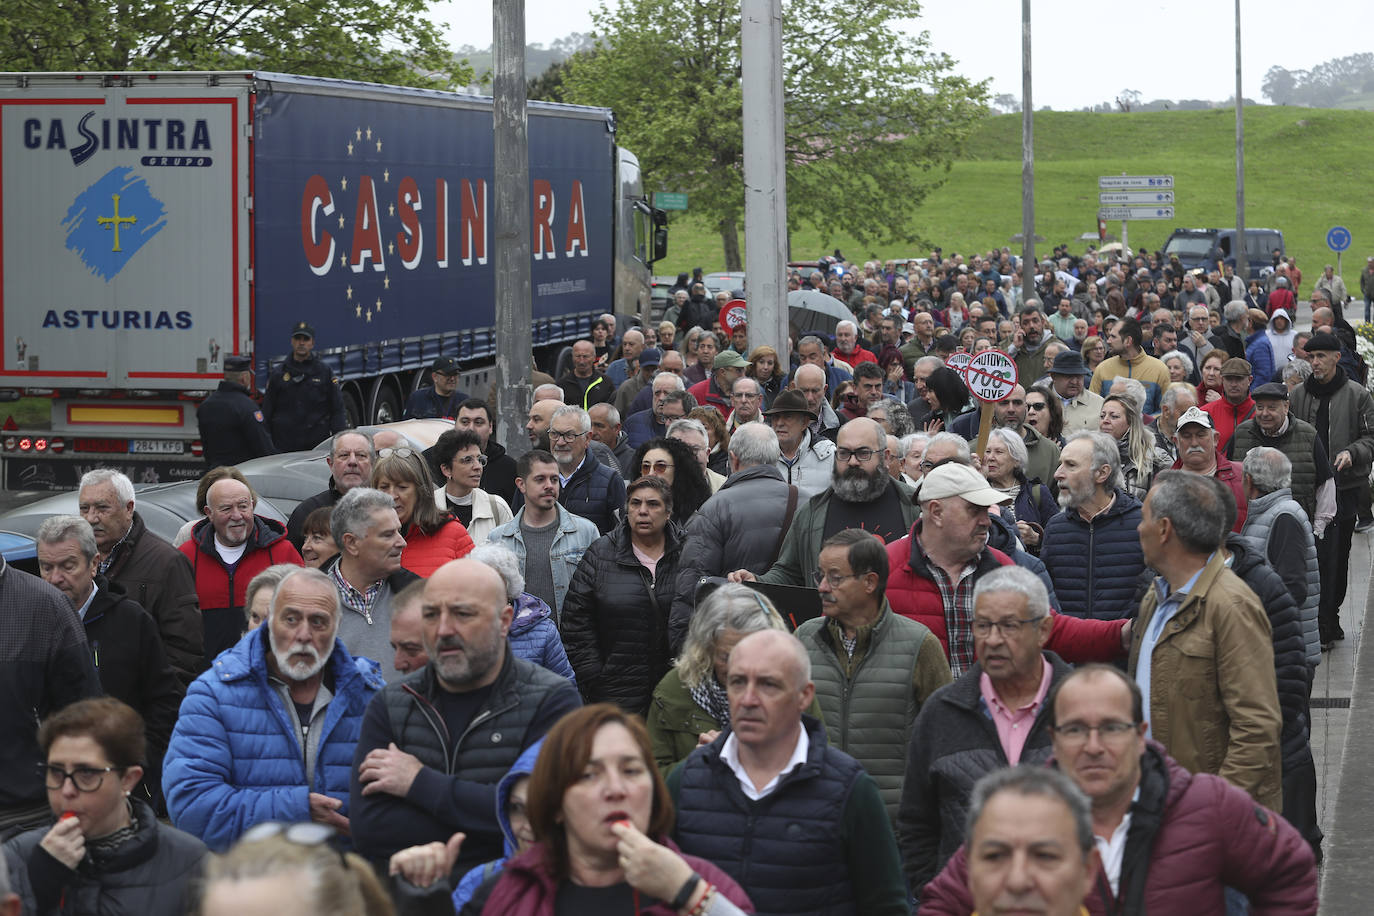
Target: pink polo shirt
{"x":1013,"y":725}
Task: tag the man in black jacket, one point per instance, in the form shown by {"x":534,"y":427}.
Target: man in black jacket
{"x":303,"y":405}
{"x":44,"y":665}
{"x":414,"y":780}
{"x":350,"y":465}
{"x":231,"y":424}
{"x":150,"y":570}
{"x":588,"y":487}
{"x":122,"y":637}
{"x":441,"y":397}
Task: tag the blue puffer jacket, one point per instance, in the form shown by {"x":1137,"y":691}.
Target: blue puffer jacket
{"x":1002,"y":536}
{"x":235,"y":758}
{"x":1095,"y":565}
{"x":524,"y":766}
{"x":534,"y":636}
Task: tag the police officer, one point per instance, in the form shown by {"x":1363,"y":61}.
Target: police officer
{"x":440,"y":398}
{"x":232,"y":426}
{"x":303,"y":406}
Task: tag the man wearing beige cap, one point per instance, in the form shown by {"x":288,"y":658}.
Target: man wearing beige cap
{"x":935,"y":568}
{"x":1196,"y":440}
{"x":715,"y":389}
{"x":1235,"y":405}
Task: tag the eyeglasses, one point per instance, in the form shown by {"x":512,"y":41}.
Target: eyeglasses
{"x":1078,"y":732}
{"x":1036,"y":406}
{"x":559,"y":436}
{"x":469,"y":459}
{"x":655,"y":466}
{"x":1008,"y":628}
{"x":834,"y":580}
{"x":399,"y":452}
{"x":86,"y":779}
{"x":842,"y":455}
{"x":306,"y":833}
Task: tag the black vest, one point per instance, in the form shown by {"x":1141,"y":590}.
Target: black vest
{"x":786,"y":849}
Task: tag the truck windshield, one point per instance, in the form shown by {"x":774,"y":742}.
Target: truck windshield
{"x":1194,"y":247}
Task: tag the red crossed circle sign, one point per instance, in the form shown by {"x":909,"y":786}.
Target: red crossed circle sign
{"x":990,"y":375}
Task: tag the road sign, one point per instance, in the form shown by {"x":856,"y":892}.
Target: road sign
{"x":1135,"y":182}
{"x":734,"y":314}
{"x":1139,"y":212}
{"x":991,"y":375}
{"x":1338,"y":239}
{"x":1109,"y":198}
{"x":958,"y":362}
{"x":670,"y":200}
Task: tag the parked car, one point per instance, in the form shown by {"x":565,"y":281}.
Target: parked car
{"x":281,"y":481}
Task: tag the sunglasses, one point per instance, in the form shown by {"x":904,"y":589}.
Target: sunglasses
{"x":399,"y":452}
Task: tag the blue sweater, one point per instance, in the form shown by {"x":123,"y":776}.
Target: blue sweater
{"x":235,"y":758}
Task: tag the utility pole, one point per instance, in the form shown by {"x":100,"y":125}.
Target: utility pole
{"x":514,"y":320}
{"x":1242,"y":256}
{"x":1028,"y":262}
{"x":765,"y":174}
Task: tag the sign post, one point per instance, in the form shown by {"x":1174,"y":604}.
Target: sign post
{"x":1338,"y":240}
{"x":990,"y":376}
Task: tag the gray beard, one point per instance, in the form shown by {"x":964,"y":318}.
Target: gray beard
{"x":861,"y":487}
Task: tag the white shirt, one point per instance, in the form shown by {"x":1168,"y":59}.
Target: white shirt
{"x":230,"y":555}
{"x":730,"y":754}
{"x":81,"y":611}
{"x":1113,"y":851}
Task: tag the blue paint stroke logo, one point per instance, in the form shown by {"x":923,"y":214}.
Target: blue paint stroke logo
{"x":111,"y":220}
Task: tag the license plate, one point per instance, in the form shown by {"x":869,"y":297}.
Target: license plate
{"x":156,"y":447}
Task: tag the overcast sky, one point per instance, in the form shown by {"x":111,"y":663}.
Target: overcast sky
{"x":1083,"y":52}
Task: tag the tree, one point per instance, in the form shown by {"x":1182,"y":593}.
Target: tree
{"x":550,"y":86}
{"x":1128,"y":99}
{"x":388,"y":41}
{"x":1278,"y":85}
{"x":1006,"y":103}
{"x":874,"y":117}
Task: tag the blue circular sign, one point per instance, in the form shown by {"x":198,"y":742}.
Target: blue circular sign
{"x":1338,"y":238}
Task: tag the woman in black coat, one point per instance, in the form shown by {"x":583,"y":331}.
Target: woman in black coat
{"x":615,"y":615}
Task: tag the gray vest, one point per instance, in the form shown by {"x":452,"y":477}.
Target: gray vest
{"x":1259,"y":526}
{"x":870,"y":716}
{"x":1298,"y":443}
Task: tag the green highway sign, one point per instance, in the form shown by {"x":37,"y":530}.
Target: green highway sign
{"x":670,"y":200}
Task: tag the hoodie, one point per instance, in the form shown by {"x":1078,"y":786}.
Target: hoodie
{"x":1281,"y":340}
{"x":524,"y":766}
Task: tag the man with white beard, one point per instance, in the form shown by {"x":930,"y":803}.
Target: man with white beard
{"x":268,"y":733}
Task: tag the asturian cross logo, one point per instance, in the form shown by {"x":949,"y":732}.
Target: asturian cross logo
{"x":111,"y":220}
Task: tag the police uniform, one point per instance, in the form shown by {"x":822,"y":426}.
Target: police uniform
{"x":303,"y":406}
{"x":232,"y":426}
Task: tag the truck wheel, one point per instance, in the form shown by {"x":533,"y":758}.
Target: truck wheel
{"x":386,"y":404}
{"x":353,"y":407}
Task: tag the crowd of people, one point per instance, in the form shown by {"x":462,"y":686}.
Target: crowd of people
{"x":739,"y":630}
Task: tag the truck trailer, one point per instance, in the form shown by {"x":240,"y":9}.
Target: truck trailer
{"x":152,"y":224}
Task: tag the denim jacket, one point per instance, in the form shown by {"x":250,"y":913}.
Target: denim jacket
{"x":575,"y":534}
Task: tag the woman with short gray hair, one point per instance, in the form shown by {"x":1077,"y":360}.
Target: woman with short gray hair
{"x":1033,"y":504}
{"x":689,"y":706}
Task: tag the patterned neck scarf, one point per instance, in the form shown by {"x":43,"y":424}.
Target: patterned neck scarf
{"x":710,"y":696}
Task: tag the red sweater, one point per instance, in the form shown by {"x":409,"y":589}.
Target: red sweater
{"x":425,"y":553}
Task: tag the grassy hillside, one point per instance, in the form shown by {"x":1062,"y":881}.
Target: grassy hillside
{"x":1306,"y":170}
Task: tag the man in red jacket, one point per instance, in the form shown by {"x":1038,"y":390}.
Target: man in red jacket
{"x":1170,"y":841}
{"x":227,"y":549}
{"x":1235,"y":406}
{"x":936,"y":566}
{"x":1198,"y":452}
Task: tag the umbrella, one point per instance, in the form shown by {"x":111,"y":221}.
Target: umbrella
{"x":812,"y":310}
{"x":1114,"y":246}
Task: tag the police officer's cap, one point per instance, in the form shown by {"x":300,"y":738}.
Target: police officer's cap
{"x":303,"y":329}
{"x":237,"y":364}
{"x":444,"y":365}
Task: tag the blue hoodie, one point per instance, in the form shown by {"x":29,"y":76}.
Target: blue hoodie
{"x":534,"y":636}
{"x":524,"y":765}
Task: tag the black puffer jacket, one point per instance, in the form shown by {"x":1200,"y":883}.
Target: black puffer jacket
{"x":1290,"y":658}
{"x":738,"y":528}
{"x":615,"y":620}
{"x":150,"y":874}
{"x":157,"y":576}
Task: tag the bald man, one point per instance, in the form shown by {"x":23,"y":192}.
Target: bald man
{"x":411,"y":784}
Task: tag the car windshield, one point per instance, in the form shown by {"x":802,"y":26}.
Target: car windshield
{"x":1189,"y":246}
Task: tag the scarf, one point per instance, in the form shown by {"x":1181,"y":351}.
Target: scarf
{"x":1323,"y":392}
{"x":710,"y":696}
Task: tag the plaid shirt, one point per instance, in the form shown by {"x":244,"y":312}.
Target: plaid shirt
{"x":958,"y":600}
{"x":352,"y":598}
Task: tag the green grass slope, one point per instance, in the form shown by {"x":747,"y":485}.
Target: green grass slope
{"x":1305,"y":171}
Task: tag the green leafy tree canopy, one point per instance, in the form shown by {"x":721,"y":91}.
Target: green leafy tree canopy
{"x":387,"y":41}
{"x":873,"y":117}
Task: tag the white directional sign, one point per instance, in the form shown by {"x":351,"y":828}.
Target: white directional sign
{"x":958,"y":362}
{"x":1134,"y":182}
{"x":1116,"y":198}
{"x":991,"y":375}
{"x":1141,"y":212}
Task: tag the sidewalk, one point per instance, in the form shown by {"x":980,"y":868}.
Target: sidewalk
{"x":1343,"y":748}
